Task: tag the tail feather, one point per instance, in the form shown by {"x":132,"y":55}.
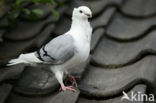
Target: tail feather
{"x":14,"y":62}
{"x":29,"y":58}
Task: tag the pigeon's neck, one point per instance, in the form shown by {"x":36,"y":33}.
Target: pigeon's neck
{"x":79,"y":22}
{"x":80,"y":28}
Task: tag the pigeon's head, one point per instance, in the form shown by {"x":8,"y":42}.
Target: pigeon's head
{"x":82,"y":12}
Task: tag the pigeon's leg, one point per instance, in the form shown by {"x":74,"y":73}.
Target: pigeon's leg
{"x":59,"y":76}
{"x":72,"y":79}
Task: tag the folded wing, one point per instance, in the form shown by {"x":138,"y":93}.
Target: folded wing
{"x":58,"y":50}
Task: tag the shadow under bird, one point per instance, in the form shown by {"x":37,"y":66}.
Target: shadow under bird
{"x":65,"y":51}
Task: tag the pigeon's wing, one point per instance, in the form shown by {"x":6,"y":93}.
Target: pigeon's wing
{"x":58,"y":50}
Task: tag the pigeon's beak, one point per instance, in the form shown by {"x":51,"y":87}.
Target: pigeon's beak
{"x":89,"y":15}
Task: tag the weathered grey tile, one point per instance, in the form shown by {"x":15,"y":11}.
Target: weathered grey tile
{"x":113,"y":53}
{"x":11,"y":49}
{"x":103,"y":18}
{"x":60,"y":97}
{"x":125,"y":28}
{"x":93,"y":5}
{"x":139,"y":7}
{"x":44,"y":36}
{"x":10,"y":73}
{"x":36,"y":81}
{"x":66,"y":97}
{"x":105,"y":82}
{"x":62,"y":26}
{"x":117,"y":99}
{"x":98,"y":33}
{"x":27,"y":30}
{"x":24,"y":30}
{"x":5,"y":89}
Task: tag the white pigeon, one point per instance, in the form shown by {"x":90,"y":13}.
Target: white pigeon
{"x":65,"y":51}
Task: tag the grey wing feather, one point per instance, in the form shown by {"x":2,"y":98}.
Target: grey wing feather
{"x":58,"y":50}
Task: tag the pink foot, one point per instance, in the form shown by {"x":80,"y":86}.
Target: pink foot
{"x":72,"y":79}
{"x":64,"y":88}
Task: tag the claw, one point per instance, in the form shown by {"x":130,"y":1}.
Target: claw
{"x":64,"y":88}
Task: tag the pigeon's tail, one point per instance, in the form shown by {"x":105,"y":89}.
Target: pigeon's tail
{"x":29,"y":58}
{"x":15,"y":61}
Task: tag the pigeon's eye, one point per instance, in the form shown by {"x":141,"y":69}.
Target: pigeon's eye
{"x":80,"y":11}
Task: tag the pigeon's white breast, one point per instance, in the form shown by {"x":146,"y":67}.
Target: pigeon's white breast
{"x":83,"y":50}
{"x":82,"y":43}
